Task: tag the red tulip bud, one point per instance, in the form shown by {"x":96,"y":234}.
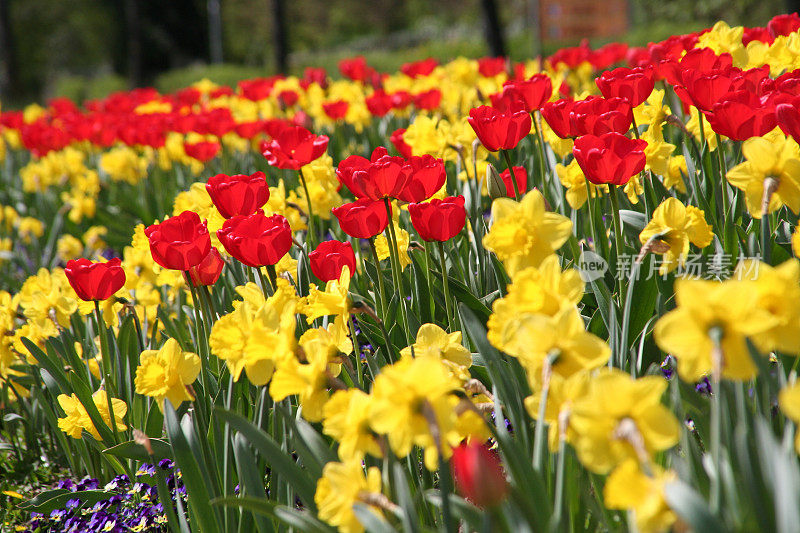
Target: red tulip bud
{"x":478,"y":474}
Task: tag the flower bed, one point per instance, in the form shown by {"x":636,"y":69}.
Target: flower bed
{"x":476,"y":295}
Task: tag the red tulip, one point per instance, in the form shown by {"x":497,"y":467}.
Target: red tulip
{"x":556,"y":114}
{"x":419,"y":68}
{"x":491,"y":66}
{"x":427,"y":177}
{"x":741,"y":114}
{"x":788,"y":115}
{"x":704,"y":89}
{"x":256,"y":240}
{"x":498,"y":130}
{"x":597,"y":116}
{"x":428,"y":100}
{"x":203,"y":151}
{"x":438,"y":220}
{"x":180,"y":242}
{"x":353,"y":163}
{"x":533,"y":92}
{"x":355,"y":68}
{"x":239,"y":194}
{"x":336,"y":110}
{"x":288,"y":98}
{"x":294,"y":147}
{"x":478,"y":474}
{"x":379,"y":103}
{"x":400,"y":144}
{"x":363,"y":218}
{"x":632,"y":84}
{"x":384,"y":178}
{"x":784,"y":24}
{"x":208,"y":271}
{"x":401,"y":100}
{"x":95,"y":281}
{"x":611,"y":158}
{"x":522,"y":180}
{"x":316,"y":75}
{"x":330,"y":257}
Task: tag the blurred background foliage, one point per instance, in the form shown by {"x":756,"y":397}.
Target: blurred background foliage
{"x":82,"y":48}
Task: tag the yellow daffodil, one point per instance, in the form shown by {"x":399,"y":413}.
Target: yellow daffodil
{"x":77,"y":418}
{"x":571,"y":177}
{"x":524,"y":233}
{"x":403,"y":240}
{"x":166,"y":373}
{"x":621,"y":418}
{"x":407,"y":398}
{"x":341,"y":486}
{"x":433,"y":341}
{"x":628,"y":488}
{"x":789,"y":402}
{"x":346,"y":419}
{"x":770,"y":176}
{"x":561,"y":394}
{"x":778,"y":290}
{"x":543,"y":290}
{"x":708,"y":313}
{"x":334,"y":300}
{"x":535,"y":337}
{"x":676,"y":226}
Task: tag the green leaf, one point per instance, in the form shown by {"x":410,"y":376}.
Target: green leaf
{"x":302,"y":520}
{"x":132,"y":450}
{"x":691,"y":507}
{"x":192,"y":477}
{"x":276,"y":457}
{"x":49,"y":501}
{"x":251,"y":479}
{"x":370,"y":520}
{"x":254,"y":505}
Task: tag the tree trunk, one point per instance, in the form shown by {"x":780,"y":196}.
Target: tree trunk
{"x":215,"y":30}
{"x":494,"y":33}
{"x":133,"y":20}
{"x":7,"y":59}
{"x":280,"y":36}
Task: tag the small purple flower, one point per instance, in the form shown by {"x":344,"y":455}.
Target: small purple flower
{"x":703,"y":387}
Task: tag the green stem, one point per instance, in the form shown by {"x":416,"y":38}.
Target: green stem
{"x":445,"y":285}
{"x":381,"y":287}
{"x":511,"y":172}
{"x":106,"y":357}
{"x":202,"y":347}
{"x":310,"y":235}
{"x":538,"y":438}
{"x":357,"y":351}
{"x":765,"y":235}
{"x":397,"y":272}
{"x":266,"y":286}
{"x":384,"y":307}
{"x":634,"y":126}
{"x":618,"y":241}
{"x":723,"y":180}
{"x":559,"y":497}
{"x":431,"y":304}
{"x":543,"y":164}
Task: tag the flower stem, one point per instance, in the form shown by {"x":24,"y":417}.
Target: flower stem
{"x":618,"y":240}
{"x":397,"y":272}
{"x":543,"y":166}
{"x":431,"y":304}
{"x":106,"y":357}
{"x":310,"y":234}
{"x":445,"y":285}
{"x":513,"y":175}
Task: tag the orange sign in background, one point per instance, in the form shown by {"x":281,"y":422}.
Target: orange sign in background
{"x":566,"y":20}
